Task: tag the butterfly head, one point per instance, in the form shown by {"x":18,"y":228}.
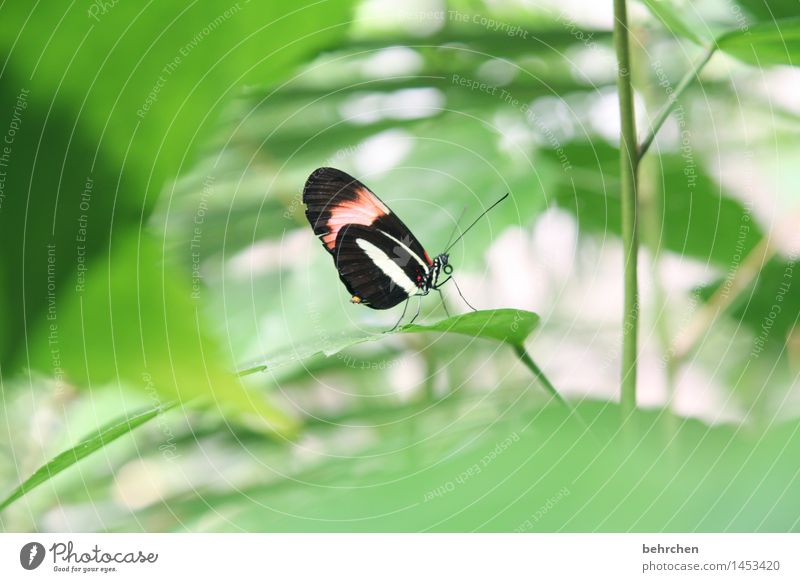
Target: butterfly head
{"x":441,"y":264}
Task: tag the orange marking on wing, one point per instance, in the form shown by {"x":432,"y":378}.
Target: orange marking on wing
{"x":427,"y":258}
{"x":364,"y":210}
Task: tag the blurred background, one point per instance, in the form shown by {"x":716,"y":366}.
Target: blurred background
{"x":151,"y":202}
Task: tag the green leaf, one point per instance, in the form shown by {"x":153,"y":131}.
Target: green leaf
{"x":512,"y":326}
{"x":767,"y":43}
{"x":92,"y":443}
{"x":107,"y":103}
{"x":769,"y":10}
{"x":134,"y":322}
{"x":697,"y":213}
{"x":769,"y":306}
{"x":499,"y":463}
{"x":673,"y":19}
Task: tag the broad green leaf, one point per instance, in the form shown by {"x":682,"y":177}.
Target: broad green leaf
{"x":512,"y":326}
{"x":92,"y":443}
{"x":513,"y":467}
{"x":769,"y":10}
{"x":134,"y":322}
{"x":767,"y":43}
{"x":673,"y":19}
{"x":107,"y":103}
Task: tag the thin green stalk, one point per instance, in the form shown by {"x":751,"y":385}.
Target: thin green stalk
{"x":522,"y":354}
{"x":628,"y":169}
{"x":90,"y":444}
{"x":722,"y":299}
{"x":651,"y":208}
{"x":673,"y":99}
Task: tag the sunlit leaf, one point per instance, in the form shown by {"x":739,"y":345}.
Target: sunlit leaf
{"x":505,"y":325}
{"x":109,"y":101}
{"x":767,"y":43}
{"x":769,"y":10}
{"x":145,"y":332}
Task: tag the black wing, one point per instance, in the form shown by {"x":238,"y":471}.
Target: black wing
{"x":375,"y":268}
{"x":378,"y":258}
{"x":334,"y":199}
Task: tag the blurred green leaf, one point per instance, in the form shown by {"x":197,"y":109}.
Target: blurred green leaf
{"x":699,"y":220}
{"x":88,"y":445}
{"x":110,"y":106}
{"x":770,"y":306}
{"x":118,"y":97}
{"x":766,"y":43}
{"x":512,"y":467}
{"x":143,"y":330}
{"x":769,"y":10}
{"x":674,"y":20}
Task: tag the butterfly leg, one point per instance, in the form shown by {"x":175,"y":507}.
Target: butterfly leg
{"x":462,"y":295}
{"x":402,"y":315}
{"x":416,"y":315}
{"x":441,"y":296}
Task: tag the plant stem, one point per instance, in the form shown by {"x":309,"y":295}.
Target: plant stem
{"x":673,"y":99}
{"x":652,"y":202}
{"x":522,"y":354}
{"x":628,"y":169}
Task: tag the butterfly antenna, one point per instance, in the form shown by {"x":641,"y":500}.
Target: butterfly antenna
{"x":482,"y":214}
{"x":455,"y":227}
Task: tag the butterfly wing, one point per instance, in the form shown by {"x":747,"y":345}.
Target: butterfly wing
{"x":334,"y":198}
{"x":378,"y":258}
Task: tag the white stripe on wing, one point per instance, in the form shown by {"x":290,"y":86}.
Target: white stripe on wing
{"x":405,"y":247}
{"x":388,"y":266}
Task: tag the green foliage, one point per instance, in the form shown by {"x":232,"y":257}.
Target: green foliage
{"x":505,"y":325}
{"x":158,"y":160}
{"x":769,"y":306}
{"x":150,"y":319}
{"x":674,"y":19}
{"x":773,"y":39}
{"x":699,"y":220}
{"x":119,"y":99}
{"x":766,"y":43}
{"x":88,"y":445}
{"x":769,"y":10}
{"x":449,"y":468}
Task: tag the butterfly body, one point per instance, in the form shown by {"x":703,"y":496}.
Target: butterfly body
{"x":378,"y":258}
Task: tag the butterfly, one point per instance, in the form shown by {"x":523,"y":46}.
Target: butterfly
{"x":379,"y":260}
